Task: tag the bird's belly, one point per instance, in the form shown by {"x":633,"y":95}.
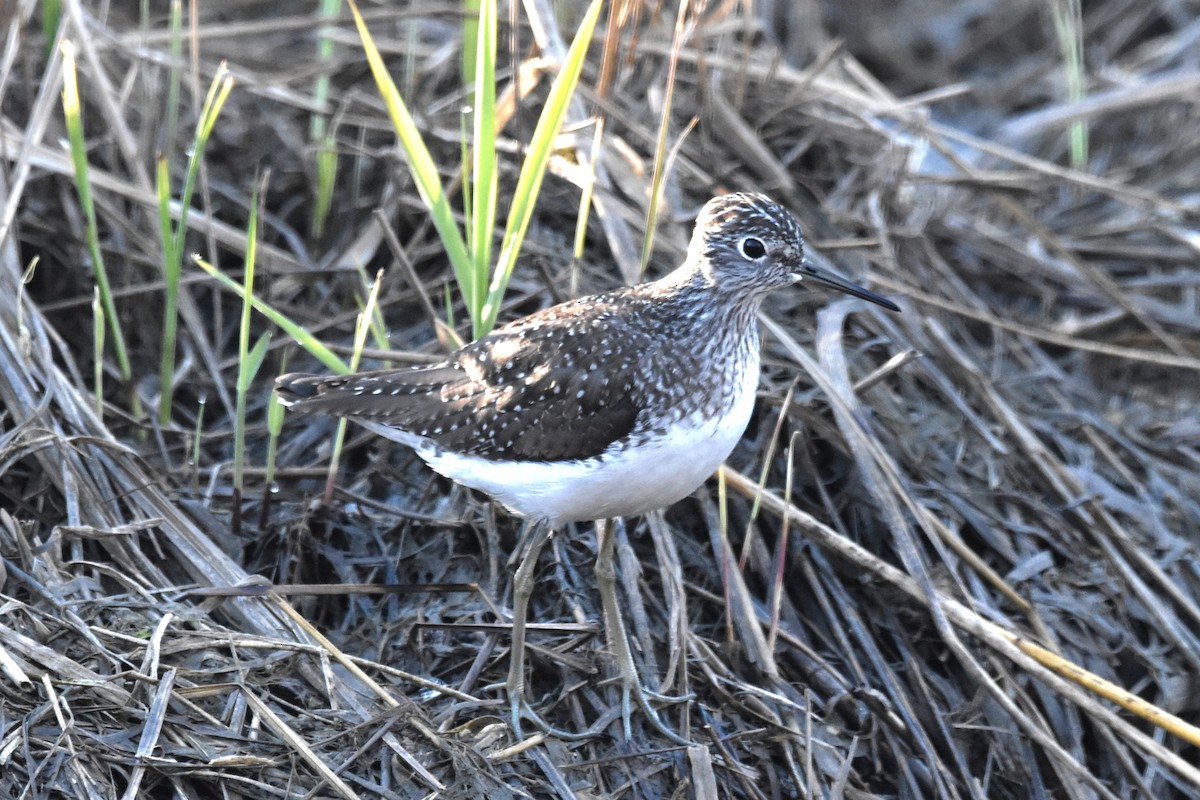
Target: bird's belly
{"x":623,"y":482}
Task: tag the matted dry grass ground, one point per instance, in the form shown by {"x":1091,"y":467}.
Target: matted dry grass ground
{"x":1034,"y":469}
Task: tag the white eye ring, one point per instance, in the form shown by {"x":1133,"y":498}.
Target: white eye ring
{"x":752,"y":248}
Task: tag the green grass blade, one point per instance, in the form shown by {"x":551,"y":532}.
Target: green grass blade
{"x":275,"y":415}
{"x":467,"y":159}
{"x":361,"y":327}
{"x":173,"y":237}
{"x":172,"y":263}
{"x":248,"y":277}
{"x":534,"y":168}
{"x":51,"y":18}
{"x":588,"y":191}
{"x":470,"y":45}
{"x":292,"y":329}
{"x":254,"y":361}
{"x":470,"y":52}
{"x":326,"y":158}
{"x":327,"y":164}
{"x":420,"y":163}
{"x":246,"y":366}
{"x":72,"y":113}
{"x":379,"y":333}
{"x":174,"y":76}
{"x":171,"y":272}
{"x":247,"y":369}
{"x":218,"y":93}
{"x":658,"y":179}
{"x":482,"y":216}
{"x":1068,"y":28}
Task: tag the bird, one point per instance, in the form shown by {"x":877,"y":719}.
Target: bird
{"x":607,"y":406}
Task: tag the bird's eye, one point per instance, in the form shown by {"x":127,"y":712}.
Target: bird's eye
{"x":752,"y":248}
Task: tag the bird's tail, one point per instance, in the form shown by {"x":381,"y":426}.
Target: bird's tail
{"x":296,"y":387}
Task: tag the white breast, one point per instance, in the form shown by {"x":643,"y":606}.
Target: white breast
{"x":622,"y":482}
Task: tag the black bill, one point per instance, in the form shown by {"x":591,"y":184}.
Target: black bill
{"x":809,"y":272}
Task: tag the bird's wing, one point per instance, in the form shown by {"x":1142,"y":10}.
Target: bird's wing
{"x":554,"y":386}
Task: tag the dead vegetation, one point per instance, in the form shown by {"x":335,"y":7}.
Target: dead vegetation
{"x":1006,"y":473}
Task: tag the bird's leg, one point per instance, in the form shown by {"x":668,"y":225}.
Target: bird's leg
{"x":538,"y":532}
{"x":618,"y":642}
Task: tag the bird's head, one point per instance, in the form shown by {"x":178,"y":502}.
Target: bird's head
{"x":749,"y":244}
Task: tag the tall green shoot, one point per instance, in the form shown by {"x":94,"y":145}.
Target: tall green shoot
{"x":362,"y":326}
{"x":420,"y":163}
{"x":1068,"y":29}
{"x":51,"y":18}
{"x":275,"y":414}
{"x":537,"y":159}
{"x":658,"y":180}
{"x":174,"y":76}
{"x":171,"y":269}
{"x":249,"y":360}
{"x":471,"y":261}
{"x":481,"y":215}
{"x":83,"y":187}
{"x":319,"y":133}
{"x":174,"y":237}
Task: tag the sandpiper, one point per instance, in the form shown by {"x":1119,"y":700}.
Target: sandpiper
{"x":607,"y":406}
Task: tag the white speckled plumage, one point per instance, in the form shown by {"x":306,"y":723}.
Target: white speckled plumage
{"x":623,"y":481}
{"x":610,"y":405}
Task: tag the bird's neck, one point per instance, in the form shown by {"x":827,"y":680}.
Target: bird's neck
{"x":693,"y":285}
{"x":717,"y":325}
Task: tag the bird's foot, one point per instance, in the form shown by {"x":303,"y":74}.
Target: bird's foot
{"x":633,"y":690}
{"x":519,"y":709}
